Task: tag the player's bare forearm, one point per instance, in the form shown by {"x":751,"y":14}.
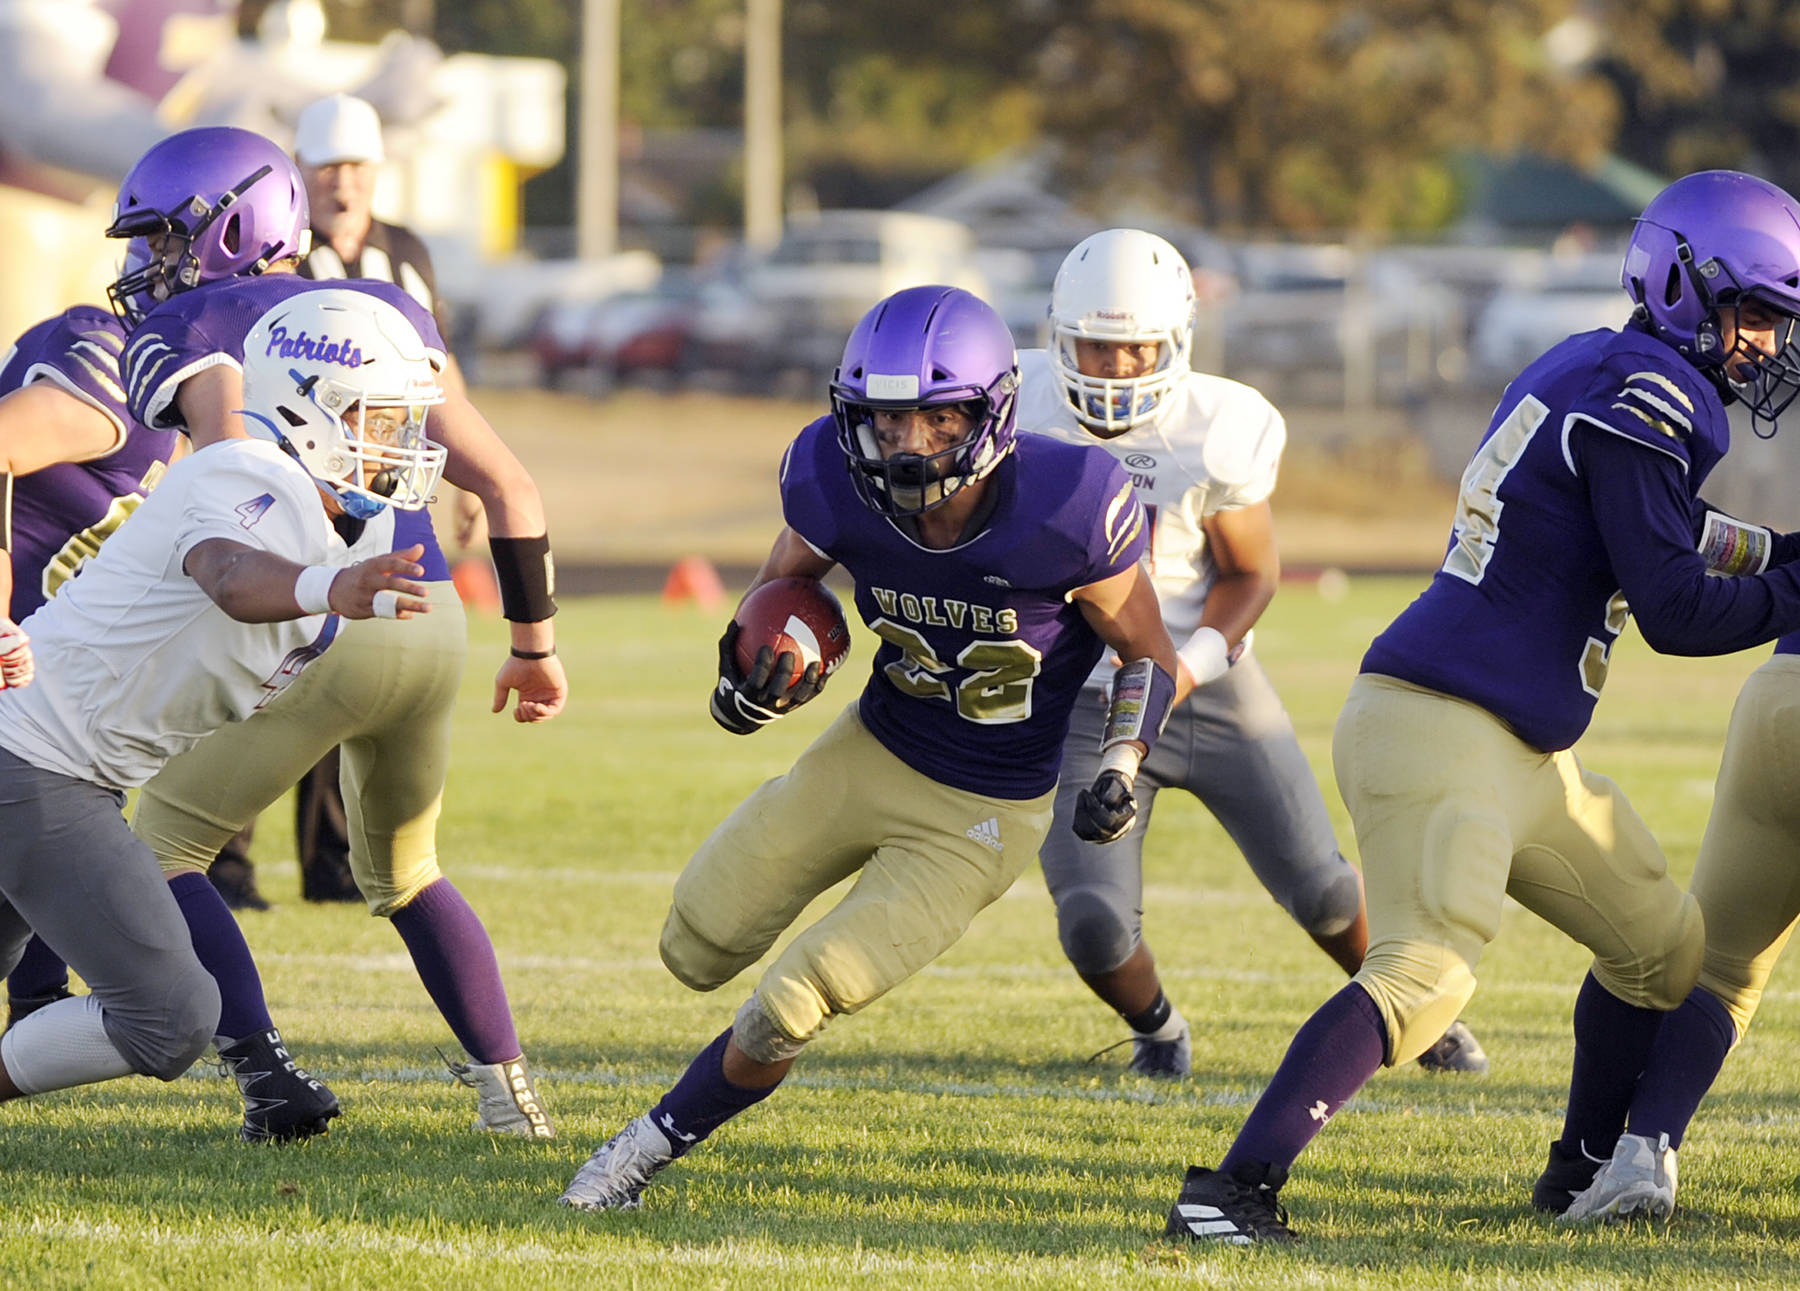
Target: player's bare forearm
{"x":1242,"y":544}
{"x":791,"y":557}
{"x":480,"y":462}
{"x":209,"y":403}
{"x":256,"y":586}
{"x":1124,"y":613}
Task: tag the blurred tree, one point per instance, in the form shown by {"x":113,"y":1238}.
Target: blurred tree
{"x":1336,"y":116}
{"x":1706,"y":83}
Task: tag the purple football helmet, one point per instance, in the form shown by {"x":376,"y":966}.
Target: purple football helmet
{"x":925,"y":347}
{"x":1713,"y":239}
{"x":226,"y":203}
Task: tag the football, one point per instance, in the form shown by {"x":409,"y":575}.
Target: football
{"x":797,"y":614}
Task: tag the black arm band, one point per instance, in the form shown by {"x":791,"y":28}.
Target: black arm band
{"x":527,"y":577}
{"x":533,"y":654}
{"x":5,"y":512}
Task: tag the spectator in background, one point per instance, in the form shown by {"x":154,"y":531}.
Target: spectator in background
{"x":338,"y":145}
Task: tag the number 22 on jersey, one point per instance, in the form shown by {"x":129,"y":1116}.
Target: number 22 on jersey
{"x":1478,"y":505}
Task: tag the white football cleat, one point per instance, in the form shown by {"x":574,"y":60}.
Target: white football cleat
{"x":614,"y":1177}
{"x":506,"y":1103}
{"x":1640,"y":1179}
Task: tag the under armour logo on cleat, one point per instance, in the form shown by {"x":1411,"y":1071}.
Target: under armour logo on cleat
{"x":668,"y":1123}
{"x":1320,"y":1111}
{"x":987,"y":833}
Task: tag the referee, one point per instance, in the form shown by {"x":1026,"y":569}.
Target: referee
{"x":337,"y":144}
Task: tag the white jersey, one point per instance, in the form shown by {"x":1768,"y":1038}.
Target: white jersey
{"x":1215,"y":445}
{"x":135,"y":662}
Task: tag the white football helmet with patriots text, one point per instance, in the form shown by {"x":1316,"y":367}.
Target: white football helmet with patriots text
{"x":342,"y":382}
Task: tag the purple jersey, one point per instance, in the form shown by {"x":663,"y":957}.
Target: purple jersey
{"x":205,"y":327}
{"x":983,"y":653}
{"x":1522,"y":615}
{"x":61,"y":514}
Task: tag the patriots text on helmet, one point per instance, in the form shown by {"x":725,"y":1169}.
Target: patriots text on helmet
{"x":322,"y":350}
{"x":945,"y":612}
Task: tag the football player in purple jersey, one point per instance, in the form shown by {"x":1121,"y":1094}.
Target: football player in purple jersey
{"x":1580,"y":509}
{"x":995,"y":569}
{"x":74,"y":463}
{"x":217,"y":219}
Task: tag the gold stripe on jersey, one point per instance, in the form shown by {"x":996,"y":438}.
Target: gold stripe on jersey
{"x":1124,"y":520}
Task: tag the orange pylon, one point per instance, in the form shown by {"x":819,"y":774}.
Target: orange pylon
{"x":693,"y":578}
{"x":473,"y":578}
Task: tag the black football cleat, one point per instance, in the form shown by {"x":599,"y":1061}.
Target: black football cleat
{"x":1457,"y":1050}
{"x":1163,"y":1059}
{"x":1239,"y":1209}
{"x":235,"y":882}
{"x":327,"y":878}
{"x":282,"y":1100}
{"x":1563,"y":1179}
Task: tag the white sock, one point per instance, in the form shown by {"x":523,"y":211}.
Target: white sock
{"x":61,"y":1045}
{"x":1170,"y":1030}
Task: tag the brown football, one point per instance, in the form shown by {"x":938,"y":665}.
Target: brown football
{"x":797,"y":614}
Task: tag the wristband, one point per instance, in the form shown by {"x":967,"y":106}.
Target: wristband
{"x":534,"y":654}
{"x":1123,"y":758}
{"x":1142,"y":694}
{"x":527,"y":576}
{"x":1206,"y":655}
{"x":312,"y":590}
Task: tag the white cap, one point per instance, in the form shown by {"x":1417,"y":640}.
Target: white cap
{"x":339,"y":128}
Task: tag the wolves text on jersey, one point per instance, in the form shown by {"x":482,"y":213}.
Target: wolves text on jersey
{"x":947,"y":613}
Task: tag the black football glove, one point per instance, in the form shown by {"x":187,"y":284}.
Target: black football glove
{"x":745,"y":703}
{"x":1106,"y":810}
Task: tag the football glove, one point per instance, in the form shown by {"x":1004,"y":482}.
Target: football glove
{"x":16,"y":665}
{"x":745,"y":703}
{"x":1107,"y":809}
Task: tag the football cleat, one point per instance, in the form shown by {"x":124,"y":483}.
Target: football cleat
{"x":1562,"y":1179}
{"x":507,"y":1102}
{"x":614,"y":1177}
{"x":327,"y":877}
{"x":235,"y":882}
{"x":1456,"y":1050}
{"x":1238,"y":1209}
{"x":20,"y":1007}
{"x":1163,"y":1059}
{"x":282,"y":1100}
{"x":1640,"y":1179}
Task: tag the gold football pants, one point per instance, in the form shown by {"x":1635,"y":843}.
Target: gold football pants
{"x":384,"y":691}
{"x":1747,"y":879}
{"x":927,"y":858}
{"x":1454,"y":813}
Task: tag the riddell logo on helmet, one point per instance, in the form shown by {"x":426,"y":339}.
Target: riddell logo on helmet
{"x":322,"y":350}
{"x":1124,"y":315}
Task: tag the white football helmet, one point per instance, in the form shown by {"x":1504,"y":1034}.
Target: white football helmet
{"x":1121,"y":285}
{"x":341,"y":381}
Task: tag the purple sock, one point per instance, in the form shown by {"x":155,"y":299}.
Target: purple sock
{"x":1612,"y":1047}
{"x":1332,"y":1057}
{"x":703,"y":1099}
{"x":1689,"y":1051}
{"x":39,"y":972}
{"x":219,"y":943}
{"x":456,"y":963}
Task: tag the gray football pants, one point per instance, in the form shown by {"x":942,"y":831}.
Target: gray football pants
{"x":71,"y":872}
{"x":1232,"y":745}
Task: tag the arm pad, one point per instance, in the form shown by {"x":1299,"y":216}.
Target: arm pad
{"x":527,"y":576}
{"x":1143,"y":692}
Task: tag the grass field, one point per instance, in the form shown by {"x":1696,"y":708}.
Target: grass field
{"x":952,"y":1136}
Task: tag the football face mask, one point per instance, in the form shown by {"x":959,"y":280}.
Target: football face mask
{"x":343,"y":383}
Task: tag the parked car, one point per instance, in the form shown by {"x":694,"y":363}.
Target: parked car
{"x":1554,"y":298}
